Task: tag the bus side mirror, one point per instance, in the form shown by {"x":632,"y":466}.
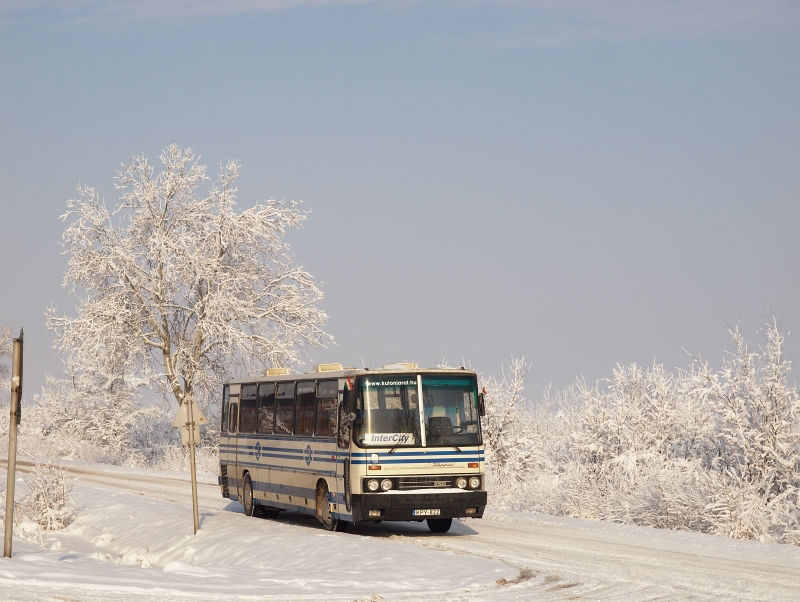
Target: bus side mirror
{"x":351,"y":417}
{"x":482,"y":404}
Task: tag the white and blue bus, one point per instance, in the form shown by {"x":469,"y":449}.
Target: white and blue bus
{"x":348,"y":445}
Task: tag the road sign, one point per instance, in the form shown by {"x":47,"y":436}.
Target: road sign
{"x":189,"y":433}
{"x":182,"y":418}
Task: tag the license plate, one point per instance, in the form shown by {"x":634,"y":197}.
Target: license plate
{"x":427,"y":512}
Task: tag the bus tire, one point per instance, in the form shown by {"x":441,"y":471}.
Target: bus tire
{"x":247,"y":496}
{"x":439,"y":525}
{"x":329,"y":523}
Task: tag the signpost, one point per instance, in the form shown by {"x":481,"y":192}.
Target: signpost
{"x":189,"y":418}
{"x":16,"y":398}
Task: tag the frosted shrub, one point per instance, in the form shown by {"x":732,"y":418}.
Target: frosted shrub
{"x":503,"y":431}
{"x":176,"y":457}
{"x":47,"y":502}
{"x":711,"y":451}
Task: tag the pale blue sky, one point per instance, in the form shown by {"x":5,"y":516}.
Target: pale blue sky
{"x":583,"y":183}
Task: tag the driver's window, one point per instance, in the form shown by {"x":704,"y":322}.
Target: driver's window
{"x":233,"y":421}
{"x":226,"y":399}
{"x":470,"y":412}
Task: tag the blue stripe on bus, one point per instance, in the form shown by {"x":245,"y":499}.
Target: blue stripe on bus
{"x":360,"y":461}
{"x":417,"y":450}
{"x":287,"y":490}
{"x":365,"y":452}
{"x":423,"y":451}
{"x":329,"y":473}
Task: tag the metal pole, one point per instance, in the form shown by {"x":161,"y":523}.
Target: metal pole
{"x":190,"y":418}
{"x":16,"y":397}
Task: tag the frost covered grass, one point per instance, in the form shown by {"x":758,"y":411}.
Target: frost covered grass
{"x":702,"y":450}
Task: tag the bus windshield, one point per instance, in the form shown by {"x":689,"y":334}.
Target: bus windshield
{"x":388,"y":412}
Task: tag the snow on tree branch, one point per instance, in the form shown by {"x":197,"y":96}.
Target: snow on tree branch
{"x":6,"y":349}
{"x":176,"y":288}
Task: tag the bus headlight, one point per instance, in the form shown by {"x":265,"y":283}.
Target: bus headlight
{"x":386,"y":484}
{"x":372,"y":485}
{"x":474,"y":482}
{"x":461,"y":483}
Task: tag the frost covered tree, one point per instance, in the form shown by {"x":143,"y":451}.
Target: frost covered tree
{"x":6,"y":349}
{"x":176,"y":288}
{"x":504,"y":427}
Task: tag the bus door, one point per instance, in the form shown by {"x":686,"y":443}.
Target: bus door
{"x":245,"y":453}
{"x":343,"y":433}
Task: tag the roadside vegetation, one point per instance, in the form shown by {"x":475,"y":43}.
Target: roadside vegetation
{"x":715,"y":451}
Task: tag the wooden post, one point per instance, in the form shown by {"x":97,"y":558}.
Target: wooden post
{"x":190,"y":423}
{"x":16,"y":398}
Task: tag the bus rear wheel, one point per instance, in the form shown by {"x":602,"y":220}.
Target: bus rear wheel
{"x":439,"y":525}
{"x":247,"y":496}
{"x":329,"y":523}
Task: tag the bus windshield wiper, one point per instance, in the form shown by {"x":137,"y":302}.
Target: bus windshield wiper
{"x":453,"y":445}
{"x":396,"y":445}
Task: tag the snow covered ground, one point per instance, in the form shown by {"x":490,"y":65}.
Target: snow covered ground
{"x":133,"y":542}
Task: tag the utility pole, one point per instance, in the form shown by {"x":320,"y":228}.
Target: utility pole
{"x":16,"y":398}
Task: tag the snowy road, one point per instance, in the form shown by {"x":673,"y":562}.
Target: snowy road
{"x":547,"y":558}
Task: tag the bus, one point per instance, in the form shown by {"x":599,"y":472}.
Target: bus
{"x":352,"y":446}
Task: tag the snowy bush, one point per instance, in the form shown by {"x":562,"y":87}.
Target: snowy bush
{"x":176,"y":457}
{"x":47,"y":502}
{"x":703,"y":450}
{"x":504,"y":431}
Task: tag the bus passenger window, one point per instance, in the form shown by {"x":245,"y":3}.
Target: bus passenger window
{"x":304,"y":418}
{"x":284,"y":411}
{"x":248,"y":404}
{"x":226,"y":399}
{"x":266,"y":408}
{"x":234,"y":417}
{"x":327,"y":396}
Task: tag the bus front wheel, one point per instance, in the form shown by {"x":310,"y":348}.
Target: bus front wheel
{"x":439,"y":525}
{"x":329,"y":523}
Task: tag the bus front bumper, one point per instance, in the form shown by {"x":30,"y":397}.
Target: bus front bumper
{"x":418,"y":506}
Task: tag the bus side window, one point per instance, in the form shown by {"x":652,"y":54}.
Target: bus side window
{"x":226,"y":399}
{"x":234,"y":418}
{"x":266,"y":408}
{"x":284,"y":412}
{"x":304,"y":418}
{"x":247,"y":410}
{"x":327,"y":396}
